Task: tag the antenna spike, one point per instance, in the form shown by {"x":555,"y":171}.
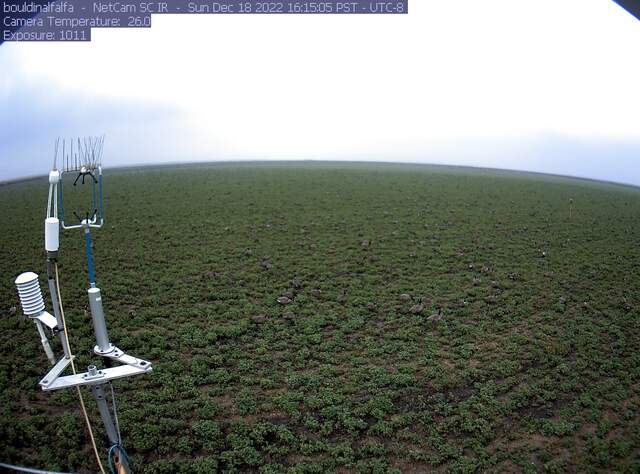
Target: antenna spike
{"x":55,"y":152}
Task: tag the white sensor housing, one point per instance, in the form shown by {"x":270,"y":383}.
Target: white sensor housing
{"x":51,"y":234}
{"x":30,"y":294}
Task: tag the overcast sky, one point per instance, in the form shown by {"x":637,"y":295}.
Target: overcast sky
{"x":541,"y":85}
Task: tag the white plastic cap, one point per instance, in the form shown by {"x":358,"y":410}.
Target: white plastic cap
{"x":30,"y":293}
{"x":54,"y":176}
{"x":51,"y":234}
{"x":25,"y":278}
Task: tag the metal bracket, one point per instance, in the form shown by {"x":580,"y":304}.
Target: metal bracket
{"x":100,"y":377}
{"x":93,"y":373}
{"x":55,"y":372}
{"x":47,"y":319}
{"x":133,"y":366}
{"x":122,"y":357}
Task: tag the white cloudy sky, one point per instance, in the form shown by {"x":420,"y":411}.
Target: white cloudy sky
{"x":543,"y":85}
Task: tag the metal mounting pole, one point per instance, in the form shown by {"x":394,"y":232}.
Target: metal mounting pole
{"x":56,"y":308}
{"x":107,"y":419}
{"x":45,"y":343}
{"x":103,"y":408}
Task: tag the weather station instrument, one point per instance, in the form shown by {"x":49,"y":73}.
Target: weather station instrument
{"x":81,"y":159}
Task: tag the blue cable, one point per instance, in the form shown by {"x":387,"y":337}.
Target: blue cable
{"x":124,"y":455}
{"x":101,"y":200}
{"x":93,"y":192}
{"x":87,"y":248}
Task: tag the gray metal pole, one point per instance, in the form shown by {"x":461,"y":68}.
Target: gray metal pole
{"x":99,"y":324}
{"x":56,"y":304}
{"x":105,"y":414}
{"x":103,"y":408}
{"x":54,"y":300}
{"x":56,"y":310}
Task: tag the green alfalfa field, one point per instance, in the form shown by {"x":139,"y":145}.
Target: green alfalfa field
{"x":321,"y":317}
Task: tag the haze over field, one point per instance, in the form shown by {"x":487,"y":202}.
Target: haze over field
{"x":534,"y":85}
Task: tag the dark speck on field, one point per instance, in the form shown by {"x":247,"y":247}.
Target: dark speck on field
{"x":491,"y":299}
{"x":342,"y":298}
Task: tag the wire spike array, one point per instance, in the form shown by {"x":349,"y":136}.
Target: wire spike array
{"x":79,"y":154}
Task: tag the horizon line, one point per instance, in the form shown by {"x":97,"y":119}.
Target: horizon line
{"x":254,"y":161}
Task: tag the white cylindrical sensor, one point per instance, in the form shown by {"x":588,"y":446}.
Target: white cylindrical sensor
{"x":30,"y":294}
{"x":99,"y":323}
{"x":51,"y":234}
